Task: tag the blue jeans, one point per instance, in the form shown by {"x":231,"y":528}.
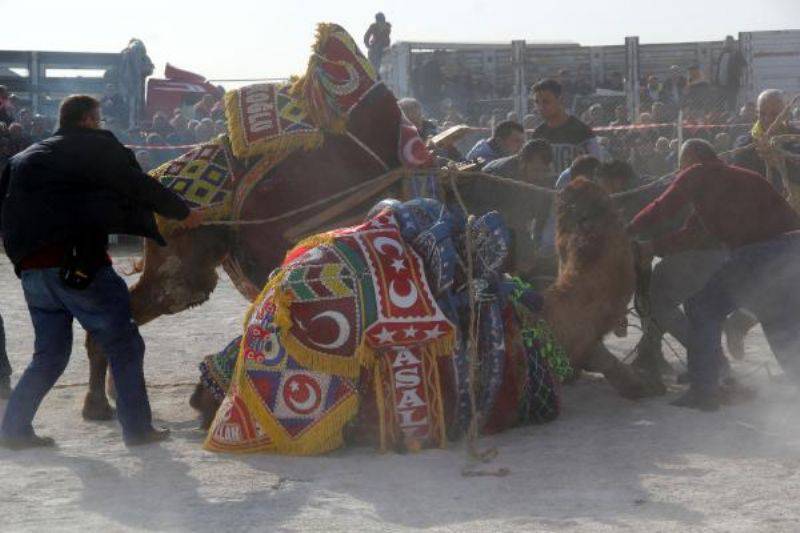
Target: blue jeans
{"x":5,"y":366}
{"x":103,"y":309}
{"x":762,"y":278}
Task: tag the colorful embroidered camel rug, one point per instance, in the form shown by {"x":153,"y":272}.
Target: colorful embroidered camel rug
{"x":343,"y":301}
{"x":267,"y":122}
{"x":337,"y":340}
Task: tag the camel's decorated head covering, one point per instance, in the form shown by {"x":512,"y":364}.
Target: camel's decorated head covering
{"x":276,"y":119}
{"x":337,"y":77}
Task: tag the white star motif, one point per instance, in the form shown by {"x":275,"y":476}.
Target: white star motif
{"x":385,"y":336}
{"x":410,"y":332}
{"x":294,"y":386}
{"x":398,"y":265}
{"x":434,"y":333}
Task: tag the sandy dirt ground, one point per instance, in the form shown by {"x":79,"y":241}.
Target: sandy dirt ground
{"x":606,"y":465}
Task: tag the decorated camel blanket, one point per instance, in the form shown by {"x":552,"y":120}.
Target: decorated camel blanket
{"x":361,"y":336}
{"x":343,"y":301}
{"x":268,"y":121}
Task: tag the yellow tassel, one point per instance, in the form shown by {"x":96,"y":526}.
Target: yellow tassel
{"x":324,"y":436}
{"x":437,"y":400}
{"x":380,"y":406}
{"x":221,"y":211}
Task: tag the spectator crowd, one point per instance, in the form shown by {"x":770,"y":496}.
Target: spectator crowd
{"x":648,"y":142}
{"x":154,"y":141}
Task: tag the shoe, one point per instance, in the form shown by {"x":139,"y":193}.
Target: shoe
{"x":28,"y":441}
{"x":5,"y":388}
{"x":152,"y":436}
{"x":694,"y":399}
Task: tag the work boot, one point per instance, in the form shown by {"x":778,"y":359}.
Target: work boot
{"x":149,"y":437}
{"x":25,"y":442}
{"x":5,"y":387}
{"x":698,"y":399}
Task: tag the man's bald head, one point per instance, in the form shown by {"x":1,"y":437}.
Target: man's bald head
{"x":770,"y":105}
{"x":696,"y":151}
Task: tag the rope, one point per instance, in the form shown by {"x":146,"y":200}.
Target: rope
{"x":667,"y":177}
{"x":777,"y":141}
{"x":475,"y":455}
{"x":149,"y":385}
{"x":368,"y":150}
{"x":390,"y":179}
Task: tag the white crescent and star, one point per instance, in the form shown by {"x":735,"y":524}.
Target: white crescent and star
{"x":434,"y":333}
{"x":381,"y":242}
{"x":342,"y":325}
{"x":403,"y":301}
{"x":385,"y":336}
{"x":410,"y":332}
{"x":312,"y":395}
{"x":398,"y":265}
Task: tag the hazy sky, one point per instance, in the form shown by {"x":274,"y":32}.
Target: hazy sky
{"x":239,"y":38}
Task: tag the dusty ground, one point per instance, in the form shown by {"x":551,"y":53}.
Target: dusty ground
{"x":606,"y":465}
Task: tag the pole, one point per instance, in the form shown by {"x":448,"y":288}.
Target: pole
{"x":632,"y":76}
{"x":679,"y":127}
{"x":34,"y":73}
{"x":520,"y":90}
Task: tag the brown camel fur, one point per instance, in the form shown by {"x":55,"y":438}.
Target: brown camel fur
{"x":596,"y":271}
{"x":595,"y":283}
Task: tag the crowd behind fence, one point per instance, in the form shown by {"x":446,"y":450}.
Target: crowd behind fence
{"x":648,"y":141}
{"x":163,"y":137}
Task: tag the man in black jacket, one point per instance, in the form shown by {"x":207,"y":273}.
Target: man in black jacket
{"x":59,"y":200}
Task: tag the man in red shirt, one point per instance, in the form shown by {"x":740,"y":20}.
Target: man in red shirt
{"x":743,"y":212}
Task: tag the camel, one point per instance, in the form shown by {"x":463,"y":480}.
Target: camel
{"x":589,"y":299}
{"x":373,"y":139}
{"x":596,"y":277}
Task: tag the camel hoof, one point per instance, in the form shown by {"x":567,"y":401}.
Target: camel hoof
{"x":97,"y":408}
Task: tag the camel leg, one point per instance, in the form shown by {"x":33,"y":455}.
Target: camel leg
{"x":649,"y":355}
{"x":627,"y":381}
{"x":174,"y":278}
{"x":95,"y":405}
{"x":101,"y":383}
